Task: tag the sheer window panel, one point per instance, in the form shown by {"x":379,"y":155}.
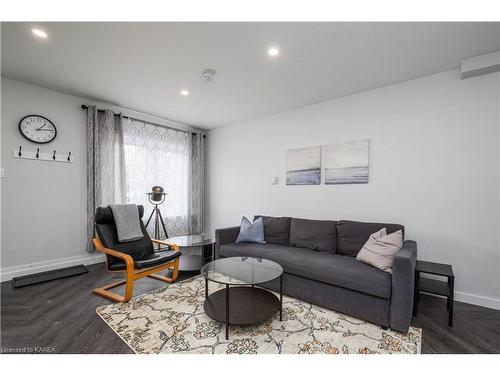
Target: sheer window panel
{"x":156,"y":155}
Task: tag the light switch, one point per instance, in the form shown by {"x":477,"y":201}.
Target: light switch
{"x":2,"y":173}
{"x":274,"y":180}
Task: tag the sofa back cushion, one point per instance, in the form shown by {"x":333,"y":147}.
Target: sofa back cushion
{"x":319,"y":235}
{"x":276,"y":229}
{"x":352,"y":235}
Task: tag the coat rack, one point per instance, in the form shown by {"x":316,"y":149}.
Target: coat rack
{"x":21,"y":153}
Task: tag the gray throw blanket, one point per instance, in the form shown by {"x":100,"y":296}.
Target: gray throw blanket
{"x":127,"y":222}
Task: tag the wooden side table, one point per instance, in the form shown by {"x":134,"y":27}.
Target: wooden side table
{"x":438,"y":287}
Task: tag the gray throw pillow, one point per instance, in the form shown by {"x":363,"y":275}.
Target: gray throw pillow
{"x":251,"y":232}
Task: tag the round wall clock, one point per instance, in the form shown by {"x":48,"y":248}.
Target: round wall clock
{"x":37,"y":129}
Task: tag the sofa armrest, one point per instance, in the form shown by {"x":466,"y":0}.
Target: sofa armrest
{"x":224,"y":236}
{"x":403,"y":283}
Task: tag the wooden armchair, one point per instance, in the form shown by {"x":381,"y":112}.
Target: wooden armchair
{"x":136,"y":258}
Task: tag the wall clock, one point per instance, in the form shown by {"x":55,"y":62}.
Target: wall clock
{"x":37,"y":129}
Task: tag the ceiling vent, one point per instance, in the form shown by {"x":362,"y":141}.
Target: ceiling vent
{"x":208,"y":75}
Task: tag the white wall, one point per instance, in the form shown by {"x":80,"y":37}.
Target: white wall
{"x":43,"y":203}
{"x":434,"y":167}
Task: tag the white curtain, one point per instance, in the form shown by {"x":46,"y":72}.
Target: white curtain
{"x":157,"y":155}
{"x":105,"y":164}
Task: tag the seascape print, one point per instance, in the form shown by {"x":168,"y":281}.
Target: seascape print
{"x":304,"y":166}
{"x":346,"y":163}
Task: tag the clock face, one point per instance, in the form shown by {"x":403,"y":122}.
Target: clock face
{"x":37,"y":129}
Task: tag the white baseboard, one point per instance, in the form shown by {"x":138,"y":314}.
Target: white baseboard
{"x":8,"y":273}
{"x":474,"y":299}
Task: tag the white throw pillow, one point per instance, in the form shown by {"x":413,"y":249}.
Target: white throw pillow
{"x":380,"y":249}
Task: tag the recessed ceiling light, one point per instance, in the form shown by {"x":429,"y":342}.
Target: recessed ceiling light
{"x":273,"y":51}
{"x":39,"y":33}
{"x":184,"y":92}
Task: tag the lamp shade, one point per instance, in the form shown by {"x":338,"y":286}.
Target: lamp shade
{"x":157,"y":193}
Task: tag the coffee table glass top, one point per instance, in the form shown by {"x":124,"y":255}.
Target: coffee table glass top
{"x":241,"y":271}
{"x":190,"y":240}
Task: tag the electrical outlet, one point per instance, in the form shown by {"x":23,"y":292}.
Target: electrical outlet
{"x":2,"y":173}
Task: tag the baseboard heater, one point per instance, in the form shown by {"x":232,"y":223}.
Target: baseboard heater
{"x":41,"y":277}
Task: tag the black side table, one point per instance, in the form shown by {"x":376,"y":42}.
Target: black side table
{"x":197,"y":250}
{"x":438,"y":287}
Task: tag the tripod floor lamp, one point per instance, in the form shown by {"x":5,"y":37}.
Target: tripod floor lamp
{"x":157,"y":197}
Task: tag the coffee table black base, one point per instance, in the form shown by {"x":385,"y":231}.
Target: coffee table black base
{"x":247,"y":305}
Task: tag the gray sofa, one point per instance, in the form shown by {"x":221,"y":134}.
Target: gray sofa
{"x":319,"y":262}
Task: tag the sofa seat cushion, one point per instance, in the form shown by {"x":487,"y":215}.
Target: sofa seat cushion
{"x":352,"y":235}
{"x":319,"y":235}
{"x":339,"y":270}
{"x":245,"y":249}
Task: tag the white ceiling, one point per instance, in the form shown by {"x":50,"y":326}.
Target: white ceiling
{"x":143,"y":66}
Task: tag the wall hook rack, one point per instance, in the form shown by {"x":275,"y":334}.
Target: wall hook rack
{"x":65,"y":157}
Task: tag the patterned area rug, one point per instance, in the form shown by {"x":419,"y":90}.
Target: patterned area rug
{"x":172,"y":320}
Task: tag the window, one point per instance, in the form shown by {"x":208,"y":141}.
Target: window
{"x":156,"y":155}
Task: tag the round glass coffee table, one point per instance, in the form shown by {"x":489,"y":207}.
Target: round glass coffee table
{"x":243,"y":303}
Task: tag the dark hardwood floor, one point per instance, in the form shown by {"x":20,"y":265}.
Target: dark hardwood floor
{"x":61,"y":315}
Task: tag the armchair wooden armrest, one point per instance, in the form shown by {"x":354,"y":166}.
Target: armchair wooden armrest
{"x":127,"y":258}
{"x":173,"y":246}
{"x":131,"y":273}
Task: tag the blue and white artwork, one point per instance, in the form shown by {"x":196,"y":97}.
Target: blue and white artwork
{"x":346,"y":163}
{"x":304,"y":166}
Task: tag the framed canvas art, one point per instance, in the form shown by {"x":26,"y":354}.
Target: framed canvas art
{"x":346,"y":163}
{"x":304,"y":166}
